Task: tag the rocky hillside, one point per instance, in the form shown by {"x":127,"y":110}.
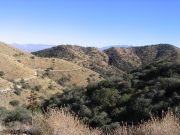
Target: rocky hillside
{"x":132,"y":58}
{"x":112,"y":60}
{"x":89,"y":57}
{"x":123,"y":58}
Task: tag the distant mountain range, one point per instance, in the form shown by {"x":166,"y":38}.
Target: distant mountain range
{"x":115,"y":46}
{"x":32,"y":47}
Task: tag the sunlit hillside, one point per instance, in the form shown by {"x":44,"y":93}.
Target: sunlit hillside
{"x":22,"y":72}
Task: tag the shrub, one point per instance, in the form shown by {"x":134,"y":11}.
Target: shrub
{"x":3,"y":112}
{"x":37,"y":88}
{"x":17,"y":92}
{"x":14,"y":103}
{"x":24,"y":84}
{"x":1,"y":73}
{"x":63,"y":80}
{"x":19,"y":114}
{"x":32,"y":57}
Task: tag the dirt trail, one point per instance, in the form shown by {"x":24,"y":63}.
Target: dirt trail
{"x":8,"y":90}
{"x":59,"y":70}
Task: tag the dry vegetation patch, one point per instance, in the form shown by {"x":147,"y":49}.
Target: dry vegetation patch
{"x":168,"y":125}
{"x":61,"y":122}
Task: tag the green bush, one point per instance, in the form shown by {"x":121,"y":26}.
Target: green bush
{"x":3,"y":112}
{"x":18,"y":115}
{"x":37,"y":88}
{"x":63,"y":80}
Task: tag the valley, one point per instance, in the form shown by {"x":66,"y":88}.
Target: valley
{"x":102,"y":88}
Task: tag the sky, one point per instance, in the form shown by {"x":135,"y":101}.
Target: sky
{"x":90,"y":22}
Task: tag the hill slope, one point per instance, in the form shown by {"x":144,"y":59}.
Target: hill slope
{"x":88,"y":57}
{"x":112,"y":60}
{"x":21,"y":72}
{"x":11,"y":66}
{"x":134,"y":57}
{"x":150,"y":90}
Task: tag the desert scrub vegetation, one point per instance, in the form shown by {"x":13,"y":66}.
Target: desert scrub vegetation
{"x":147,"y":90}
{"x":14,"y":102}
{"x":12,"y":119}
{"x":132,"y":99}
{"x":62,"y":81}
{"x":62,"y":122}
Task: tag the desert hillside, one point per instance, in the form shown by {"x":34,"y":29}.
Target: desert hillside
{"x":131,"y":58}
{"x":123,"y":58}
{"x":88,"y":57}
{"x":30,"y":85}
{"x":147,"y":91}
{"x":112,"y":60}
{"x":21,"y":72}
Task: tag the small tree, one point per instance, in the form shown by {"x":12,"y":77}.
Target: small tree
{"x":32,"y":99}
{"x":33,"y":103}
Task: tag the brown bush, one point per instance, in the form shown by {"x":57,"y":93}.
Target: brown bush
{"x":61,"y":122}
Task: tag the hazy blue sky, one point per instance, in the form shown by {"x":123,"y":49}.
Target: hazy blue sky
{"x":90,"y":22}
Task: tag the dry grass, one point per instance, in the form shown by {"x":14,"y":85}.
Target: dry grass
{"x":78,"y":77}
{"x":18,"y":65}
{"x":4,"y":84}
{"x":60,"y":122}
{"x":1,"y":127}
{"x":13,"y":69}
{"x":168,"y":125}
{"x":8,"y":50}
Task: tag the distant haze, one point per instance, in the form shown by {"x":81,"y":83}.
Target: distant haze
{"x":37,"y":47}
